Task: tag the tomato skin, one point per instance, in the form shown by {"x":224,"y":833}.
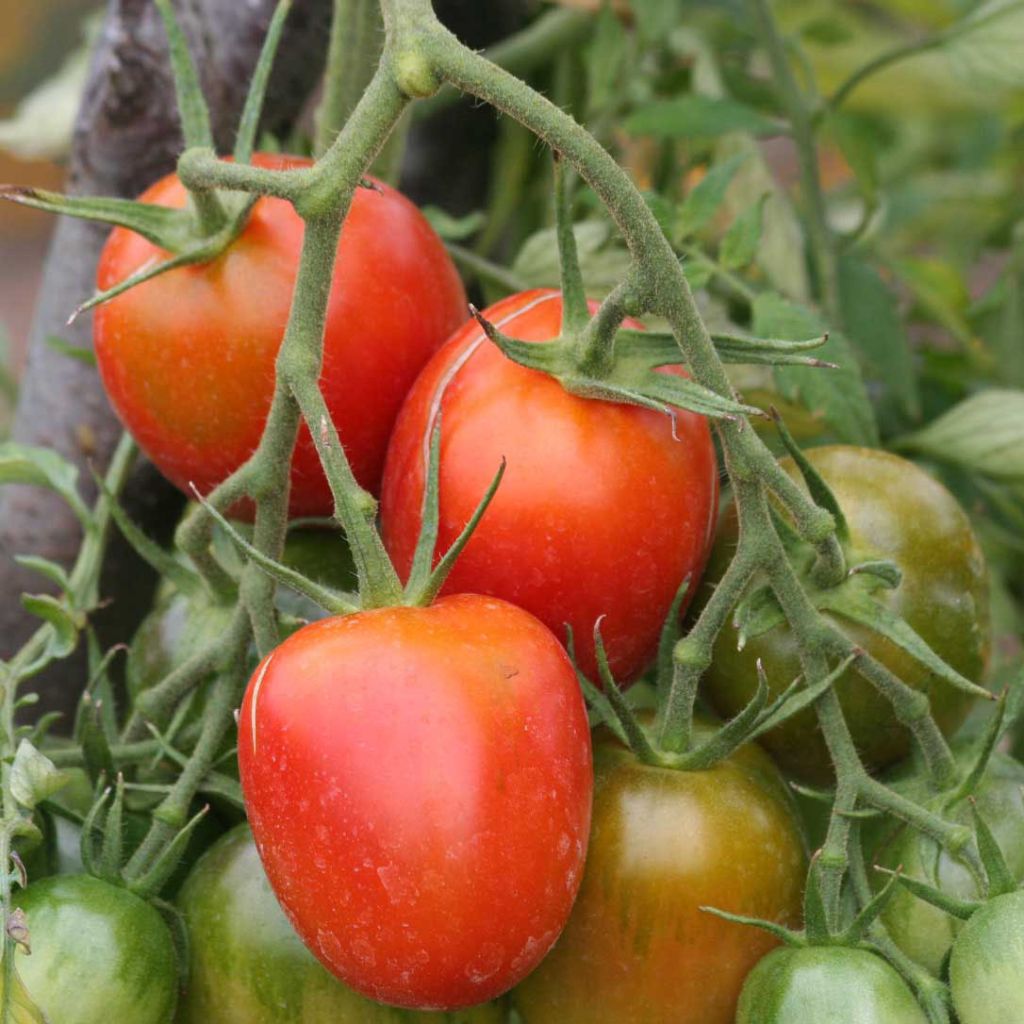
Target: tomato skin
{"x":418,"y":781}
{"x":922,"y":931}
{"x":638,"y":949}
{"x":894,"y":510}
{"x":247,"y":965}
{"x":187,"y":359}
{"x":826,"y":983}
{"x":600,"y":512}
{"x":985,"y":965}
{"x":99,"y":953}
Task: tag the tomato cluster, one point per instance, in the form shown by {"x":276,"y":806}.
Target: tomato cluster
{"x":431,"y":827}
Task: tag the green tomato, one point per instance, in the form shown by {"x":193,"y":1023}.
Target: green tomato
{"x":639,"y":948}
{"x":827,"y":985}
{"x":247,"y":965}
{"x":922,"y":931}
{"x":895,"y":510}
{"x":986,"y":967}
{"x":100,"y":955}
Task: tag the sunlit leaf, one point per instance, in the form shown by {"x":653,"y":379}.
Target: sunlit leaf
{"x":34,"y":777}
{"x":983,"y":434}
{"x":699,"y":117}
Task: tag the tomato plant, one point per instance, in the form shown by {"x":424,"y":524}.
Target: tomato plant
{"x":247,"y":965}
{"x":984,"y":967}
{"x":822,"y":983}
{"x":604,"y":508}
{"x":894,"y":510}
{"x":99,"y":953}
{"x":187,"y":358}
{"x":418,"y":782}
{"x":638,"y":948}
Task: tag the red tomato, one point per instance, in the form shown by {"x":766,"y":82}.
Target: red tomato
{"x":418,"y":781}
{"x":602,"y":510}
{"x":188,"y":358}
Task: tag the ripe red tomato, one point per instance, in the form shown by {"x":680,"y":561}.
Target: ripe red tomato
{"x":638,"y":949}
{"x":418,"y":781}
{"x":188,"y":358}
{"x":602,"y":511}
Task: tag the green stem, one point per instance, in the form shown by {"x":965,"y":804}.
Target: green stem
{"x":352,"y":56}
{"x":485,"y":270}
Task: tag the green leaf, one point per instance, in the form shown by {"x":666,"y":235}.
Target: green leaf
{"x":17,"y":1007}
{"x":1006,"y":343}
{"x":51,"y":570}
{"x":739,"y":245}
{"x":656,"y":18}
{"x":983,"y":434}
{"x":696,"y":116}
{"x":606,"y":58}
{"x":984,"y":48}
{"x":454,"y":229}
{"x":874,"y":327}
{"x":41,"y":467}
{"x":838,"y":396}
{"x":860,"y":148}
{"x":34,"y":777}
{"x":707,"y":196}
{"x":83,"y":355}
{"x":64,"y":636}
{"x":603,"y":258}
{"x":940,"y":290}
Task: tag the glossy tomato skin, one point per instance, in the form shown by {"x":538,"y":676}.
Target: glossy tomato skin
{"x":601,"y":512}
{"x":187,"y":359}
{"x":418,"y":781}
{"x":985,"y":976}
{"x":895,"y":510}
{"x":821,"y":984}
{"x":638,"y":949}
{"x":922,"y":931}
{"x":247,"y":965}
{"x":99,"y":953}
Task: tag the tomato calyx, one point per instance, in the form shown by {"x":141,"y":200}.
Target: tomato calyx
{"x":596,"y":357}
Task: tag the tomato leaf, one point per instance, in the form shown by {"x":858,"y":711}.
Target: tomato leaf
{"x":453,"y":229}
{"x":41,"y":467}
{"x":874,"y":327}
{"x":606,"y":58}
{"x":34,"y":777}
{"x":51,"y":570}
{"x":984,"y":47}
{"x":838,"y":396}
{"x":706,"y":197}
{"x":739,"y":245}
{"x":695,"y":116}
{"x":64,"y":634}
{"x":983,"y":434}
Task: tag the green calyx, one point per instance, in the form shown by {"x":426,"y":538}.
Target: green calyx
{"x":596,"y":357}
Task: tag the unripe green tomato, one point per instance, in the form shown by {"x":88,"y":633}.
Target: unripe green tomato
{"x":639,"y":948}
{"x":247,"y":965}
{"x":896,"y":511}
{"x":986,"y":967}
{"x":827,"y":985}
{"x":100,"y":955}
{"x":922,"y":931}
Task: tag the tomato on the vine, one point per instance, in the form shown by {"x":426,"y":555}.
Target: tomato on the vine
{"x":985,"y":975}
{"x":604,"y":508}
{"x":894,"y":510}
{"x":418,"y":781}
{"x":99,"y":953}
{"x":639,"y":948}
{"x":921,"y":930}
{"x":187,"y":359}
{"x":816,"y":984}
{"x":247,"y":965}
